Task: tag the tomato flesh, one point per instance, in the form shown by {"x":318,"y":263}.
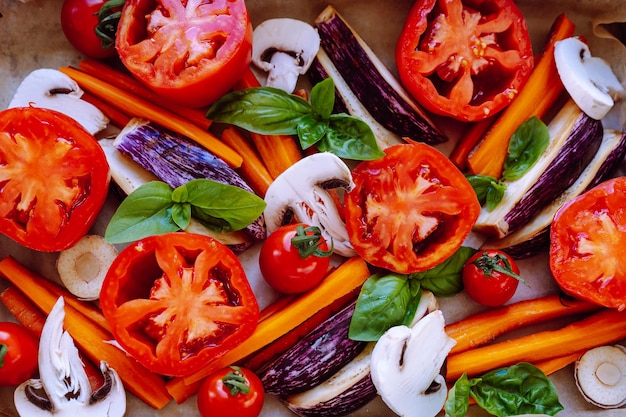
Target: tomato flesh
{"x":409,"y":210}
{"x":20,"y":357}
{"x":177,"y":301}
{"x":466,"y":59}
{"x":191,"y":52}
{"x":587,"y":239}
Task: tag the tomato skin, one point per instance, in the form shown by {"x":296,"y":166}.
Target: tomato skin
{"x":409,"y":210}
{"x":20,"y":360}
{"x":178,"y":300}
{"x":203,"y":64}
{"x":587,"y":241}
{"x":78,"y":21}
{"x":451,"y":64}
{"x":494,"y":290}
{"x":56,"y":178}
{"x":284,"y":269}
{"x":215,"y":399}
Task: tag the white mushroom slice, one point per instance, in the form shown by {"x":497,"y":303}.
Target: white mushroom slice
{"x":301,"y":191}
{"x":589,"y":80}
{"x":406,"y":364}
{"x":601,"y":376}
{"x":63,"y":388}
{"x":52,"y":89}
{"x":285,"y":49}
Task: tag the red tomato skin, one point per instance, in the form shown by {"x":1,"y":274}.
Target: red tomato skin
{"x":425,"y":49}
{"x":195,"y":85}
{"x":283,"y":268}
{"x":78,"y":172}
{"x":20,"y":360}
{"x":215,"y":400}
{"x":491,"y":291}
{"x":587,"y":241}
{"x":78,"y":21}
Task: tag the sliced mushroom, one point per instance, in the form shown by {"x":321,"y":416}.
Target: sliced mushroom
{"x":601,"y":376}
{"x":63,"y":388}
{"x":52,"y":89}
{"x":285,"y":49}
{"x":406,"y":365}
{"x":301,"y":191}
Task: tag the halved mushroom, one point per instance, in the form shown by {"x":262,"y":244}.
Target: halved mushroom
{"x":601,"y":376}
{"x":301,"y":191}
{"x":285,"y":49}
{"x":52,"y":89}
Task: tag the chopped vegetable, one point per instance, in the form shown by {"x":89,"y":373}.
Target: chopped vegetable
{"x":601,"y":376}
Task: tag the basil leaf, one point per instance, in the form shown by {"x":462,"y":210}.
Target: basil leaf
{"x":146,"y":211}
{"x":518,"y":389}
{"x":225,"y":206}
{"x":382,"y":303}
{"x":350,"y":138}
{"x":323,"y":98}
{"x":310,"y":131}
{"x":445,"y":279}
{"x":457,"y":403}
{"x":265,"y":110}
{"x":411,"y":308}
{"x":489,"y":190}
{"x":527,"y":143}
{"x":181,"y":214}
{"x":495,"y":193}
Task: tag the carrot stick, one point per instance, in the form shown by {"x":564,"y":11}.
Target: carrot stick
{"x":603,"y":327}
{"x":540,"y":92}
{"x":252,"y":167}
{"x":550,"y":366}
{"x":138,"y":107}
{"x":482,"y":328}
{"x":468,"y":141}
{"x":90,"y":337}
{"x":276,"y":306}
{"x":279,"y":152}
{"x":127,"y":82}
{"x":342,"y":281}
{"x":116,"y":117}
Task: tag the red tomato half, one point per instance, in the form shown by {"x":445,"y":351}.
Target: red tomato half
{"x":54,"y":178}
{"x":190,"y":52}
{"x":176,"y":301}
{"x":18,"y":354}
{"x":587,"y":241}
{"x":487,"y":277}
{"x":409,"y":210}
{"x":217,"y":398}
{"x":78,"y":21}
{"x":466,"y":59}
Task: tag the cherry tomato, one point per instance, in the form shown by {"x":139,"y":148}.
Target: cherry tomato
{"x":79,"y":20}
{"x":490,"y":277}
{"x":283,"y":266}
{"x":18,"y":354}
{"x":190,"y":52}
{"x":178,"y":300}
{"x":232,"y":391}
{"x":587,"y":241}
{"x":466,"y":59}
{"x":409,"y":210}
{"x":55,"y":178}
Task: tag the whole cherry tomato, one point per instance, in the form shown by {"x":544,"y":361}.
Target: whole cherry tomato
{"x":231,"y":391}
{"x":294,"y":258}
{"x":18,"y":354}
{"x":79,"y":19}
{"x":490,"y":277}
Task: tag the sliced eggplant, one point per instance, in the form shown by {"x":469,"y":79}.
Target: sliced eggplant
{"x":574,"y":140}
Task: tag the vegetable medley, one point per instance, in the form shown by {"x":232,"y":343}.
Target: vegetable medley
{"x":275,"y":234}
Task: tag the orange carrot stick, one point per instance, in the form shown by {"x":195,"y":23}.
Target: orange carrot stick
{"x":540,"y":92}
{"x":116,"y":117}
{"x":138,"y":107}
{"x":468,"y":141}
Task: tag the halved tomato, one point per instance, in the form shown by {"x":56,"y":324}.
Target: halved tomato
{"x":54,"y":178}
{"x":178,"y":300}
{"x":190,"y":52}
{"x":587,"y":241}
{"x":409,"y":210}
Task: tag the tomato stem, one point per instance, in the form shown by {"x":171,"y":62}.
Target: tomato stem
{"x":496,"y":263}
{"x":308,"y":241}
{"x":236,"y":382}
{"x":3,"y":352}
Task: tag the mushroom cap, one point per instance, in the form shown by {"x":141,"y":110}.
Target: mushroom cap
{"x":600,"y":375}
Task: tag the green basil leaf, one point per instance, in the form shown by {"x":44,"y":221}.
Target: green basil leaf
{"x":264,"y":110}
{"x":181,"y":214}
{"x":310,"y":131}
{"x":445,"y":279}
{"x":223,"y":206}
{"x":323,"y":98}
{"x":411,"y":308}
{"x":495,"y":194}
{"x":489,"y":190}
{"x":527,"y":143}
{"x":350,"y":138}
{"x":518,"y":389}
{"x":457,"y":403}
{"x":146,"y":211}
{"x":382,"y":303}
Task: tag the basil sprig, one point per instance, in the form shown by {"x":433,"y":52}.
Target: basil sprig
{"x":272,"y":111}
{"x":156,"y":208}
{"x":518,"y":389}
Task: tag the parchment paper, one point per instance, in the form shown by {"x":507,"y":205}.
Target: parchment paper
{"x":31,"y":38}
